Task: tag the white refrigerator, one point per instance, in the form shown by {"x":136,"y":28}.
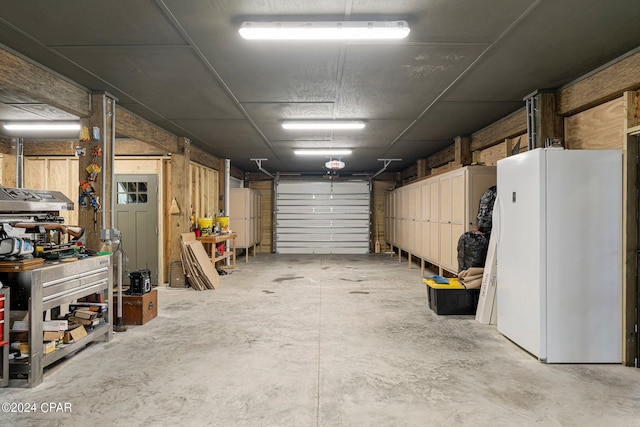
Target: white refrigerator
{"x":559,"y":254}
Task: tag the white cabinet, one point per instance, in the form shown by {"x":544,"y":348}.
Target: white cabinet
{"x":245,"y":217}
{"x":432,"y":214}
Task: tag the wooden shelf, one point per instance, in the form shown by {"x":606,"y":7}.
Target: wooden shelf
{"x":211,"y":241}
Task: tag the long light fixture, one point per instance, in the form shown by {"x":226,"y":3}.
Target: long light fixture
{"x":322,"y":152}
{"x":323,"y":124}
{"x":328,"y":30}
{"x":42,"y":126}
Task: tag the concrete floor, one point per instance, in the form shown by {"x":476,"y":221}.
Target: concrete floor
{"x":321,"y":341}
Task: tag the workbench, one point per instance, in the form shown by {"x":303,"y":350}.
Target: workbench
{"x":210,"y":245}
{"x":47,"y":287}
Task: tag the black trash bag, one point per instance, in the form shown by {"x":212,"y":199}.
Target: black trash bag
{"x":485,"y":211}
{"x":472,"y":250}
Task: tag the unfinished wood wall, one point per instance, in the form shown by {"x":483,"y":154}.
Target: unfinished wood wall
{"x":265,"y":188}
{"x":490,"y":156}
{"x":203,"y":187}
{"x":380,"y":189}
{"x":598,"y":128}
{"x":55,"y":173}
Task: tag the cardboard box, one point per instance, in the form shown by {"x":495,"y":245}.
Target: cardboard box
{"x":74,"y":334}
{"x":99,"y":307}
{"x":84,"y":322}
{"x":55,"y":325}
{"x":85,"y":314}
{"x":52,"y":336}
{"x":49,"y":347}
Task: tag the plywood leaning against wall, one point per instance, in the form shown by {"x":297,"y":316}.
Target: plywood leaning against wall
{"x":598,"y":128}
{"x":55,"y":173}
{"x":203,"y":187}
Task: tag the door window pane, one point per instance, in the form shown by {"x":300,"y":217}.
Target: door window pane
{"x":132,"y":192}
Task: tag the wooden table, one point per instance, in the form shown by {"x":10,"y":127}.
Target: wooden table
{"x":211,"y":241}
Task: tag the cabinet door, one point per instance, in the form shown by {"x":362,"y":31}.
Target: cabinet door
{"x":434,"y":200}
{"x":457,"y":199}
{"x":445,"y":200}
{"x":434,"y":242}
{"x":425,"y":201}
{"x":423,"y":239}
{"x":445,"y":245}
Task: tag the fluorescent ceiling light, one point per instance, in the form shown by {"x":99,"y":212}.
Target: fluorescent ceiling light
{"x":323,"y":124}
{"x":332,"y":30}
{"x":322,"y":152}
{"x":42,"y":126}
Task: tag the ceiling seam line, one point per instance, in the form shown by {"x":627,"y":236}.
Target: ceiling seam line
{"x":120,"y":46}
{"x":165,"y":9}
{"x":464,"y":73}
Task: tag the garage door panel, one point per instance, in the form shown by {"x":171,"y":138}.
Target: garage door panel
{"x":320,"y":237}
{"x":311,"y":211}
{"x":322,"y":223}
{"x":316,"y":201}
{"x":322,"y":217}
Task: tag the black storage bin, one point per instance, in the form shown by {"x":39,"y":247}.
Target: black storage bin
{"x":454,"y":299}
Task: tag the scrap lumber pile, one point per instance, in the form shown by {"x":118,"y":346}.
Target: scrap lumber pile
{"x":201,"y":274}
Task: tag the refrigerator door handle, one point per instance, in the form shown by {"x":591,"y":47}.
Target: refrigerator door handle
{"x":495,"y":219}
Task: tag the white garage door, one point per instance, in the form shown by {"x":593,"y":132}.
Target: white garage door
{"x":322,"y":217}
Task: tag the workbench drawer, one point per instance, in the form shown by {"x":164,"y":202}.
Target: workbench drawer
{"x":137,"y":309}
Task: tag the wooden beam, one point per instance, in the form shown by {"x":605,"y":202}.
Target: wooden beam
{"x":442,"y":157}
{"x":9,"y":162}
{"x":179,"y":182}
{"x":26,"y":79}
{"x":134,"y":147}
{"x":90,"y":216}
{"x":600,"y":87}
{"x":508,"y":127}
{"x":258,"y":176}
{"x":462,"y":150}
{"x":423,"y":169}
{"x":138,"y":128}
{"x":5,"y":145}
{"x":53,"y":148}
{"x":411,"y":171}
{"x":548,"y":123}
{"x":205,"y":159}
